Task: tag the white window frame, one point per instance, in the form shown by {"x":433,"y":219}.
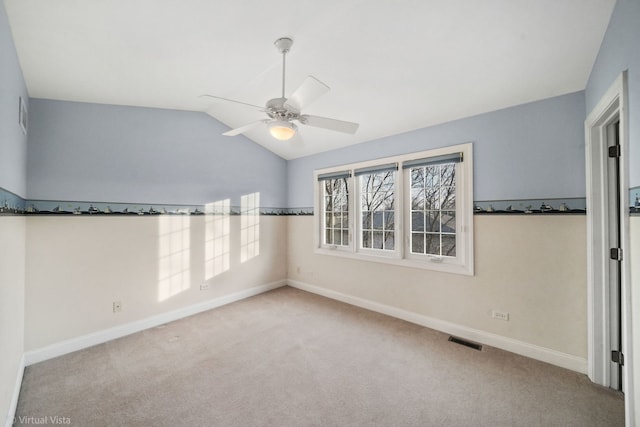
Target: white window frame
{"x":388,"y":253}
{"x":462,"y":263}
{"x":320,"y":207}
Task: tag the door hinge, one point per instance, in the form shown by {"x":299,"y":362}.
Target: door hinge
{"x":615,"y":254}
{"x":617,"y":357}
{"x":614,"y":151}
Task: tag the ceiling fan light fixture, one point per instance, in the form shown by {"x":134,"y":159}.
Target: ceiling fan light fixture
{"x":282,"y":130}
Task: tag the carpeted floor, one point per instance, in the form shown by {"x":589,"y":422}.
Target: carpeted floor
{"x":290,"y":358}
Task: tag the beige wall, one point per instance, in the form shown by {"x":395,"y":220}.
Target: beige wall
{"x":12,"y":269}
{"x":78,"y":266}
{"x":533,"y":267}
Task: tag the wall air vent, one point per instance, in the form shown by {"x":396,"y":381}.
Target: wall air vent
{"x":466,"y":343}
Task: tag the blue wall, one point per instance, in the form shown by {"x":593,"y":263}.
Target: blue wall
{"x":92,"y":152}
{"x":531,"y":151}
{"x":13,"y":143}
{"x":620,"y":51}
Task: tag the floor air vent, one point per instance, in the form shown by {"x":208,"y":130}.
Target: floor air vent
{"x":466,"y":343}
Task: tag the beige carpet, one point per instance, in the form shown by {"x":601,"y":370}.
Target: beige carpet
{"x":290,"y":358}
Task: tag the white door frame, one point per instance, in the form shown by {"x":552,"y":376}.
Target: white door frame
{"x":612,"y":106}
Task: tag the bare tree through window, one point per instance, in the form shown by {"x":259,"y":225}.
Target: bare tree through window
{"x":433,"y":210}
{"x":377,"y":210}
{"x":336,"y":212}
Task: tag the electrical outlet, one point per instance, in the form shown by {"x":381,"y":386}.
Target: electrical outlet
{"x":502,"y":315}
{"x":204,"y":286}
{"x":117,"y":306}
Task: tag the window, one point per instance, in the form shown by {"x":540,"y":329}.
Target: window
{"x":413,"y":210}
{"x":432,"y":183}
{"x":376,"y":188}
{"x":335,"y":211}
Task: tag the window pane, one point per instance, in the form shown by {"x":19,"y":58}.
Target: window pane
{"x":432,"y":176}
{"x":328,"y":206}
{"x":417,"y":199}
{"x":389,"y":240}
{"x":389,"y":217}
{"x":448,"y":198}
{"x":345,"y":237}
{"x":432,"y":198}
{"x":377,"y":200}
{"x":417,"y":177}
{"x":365,"y":201}
{"x":378,"y":220}
{"x":337,"y":240}
{"x":417,"y":221}
{"x":328,"y":223}
{"x":448,"y":245}
{"x":366,"y":183}
{"x":328,"y":237}
{"x":366,"y":220}
{"x":344,"y":223}
{"x":366,"y":239}
{"x":417,"y":243}
{"x":448,"y":175}
{"x":433,"y":221}
{"x":432,"y":244}
{"x":341,"y":202}
{"x":448,"y":221}
{"x":389,"y":201}
{"x":377,"y":240}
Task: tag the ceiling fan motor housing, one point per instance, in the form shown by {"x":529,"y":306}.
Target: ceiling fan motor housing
{"x":277,"y":110}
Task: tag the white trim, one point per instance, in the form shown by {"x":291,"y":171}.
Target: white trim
{"x":11,"y":414}
{"x":613,"y":104}
{"x":564,"y":360}
{"x":81,"y":342}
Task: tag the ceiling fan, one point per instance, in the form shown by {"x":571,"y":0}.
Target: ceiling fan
{"x":283,"y":112}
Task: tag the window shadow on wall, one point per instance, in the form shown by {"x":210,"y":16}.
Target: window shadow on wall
{"x":174,"y":255}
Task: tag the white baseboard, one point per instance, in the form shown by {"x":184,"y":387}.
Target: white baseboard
{"x":522,"y":348}
{"x":16,"y":394}
{"x":79,"y":343}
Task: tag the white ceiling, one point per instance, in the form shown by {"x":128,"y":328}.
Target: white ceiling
{"x":393,"y":66}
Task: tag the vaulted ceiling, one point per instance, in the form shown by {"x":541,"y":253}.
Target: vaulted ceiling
{"x":392,"y":66}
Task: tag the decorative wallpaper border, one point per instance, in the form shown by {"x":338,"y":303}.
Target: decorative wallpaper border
{"x":50,"y":207}
{"x":12,"y":204}
{"x":634,"y":201}
{"x":576,"y":205}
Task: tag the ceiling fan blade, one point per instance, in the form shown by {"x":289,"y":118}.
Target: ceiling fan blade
{"x":331,"y":124}
{"x":233,"y":100}
{"x":310,"y":90}
{"x":243,"y":129}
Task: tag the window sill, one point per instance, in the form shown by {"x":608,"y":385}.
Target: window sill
{"x":438,"y":265}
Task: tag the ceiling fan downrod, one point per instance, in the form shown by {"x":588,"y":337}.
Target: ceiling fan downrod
{"x":283,"y":45}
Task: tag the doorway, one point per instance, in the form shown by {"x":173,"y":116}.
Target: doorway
{"x":608,"y":287}
{"x":614,"y":284}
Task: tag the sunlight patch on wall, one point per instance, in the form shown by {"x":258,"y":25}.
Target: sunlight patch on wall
{"x":249,"y":226}
{"x":174,"y":255}
{"x":217,"y":226}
